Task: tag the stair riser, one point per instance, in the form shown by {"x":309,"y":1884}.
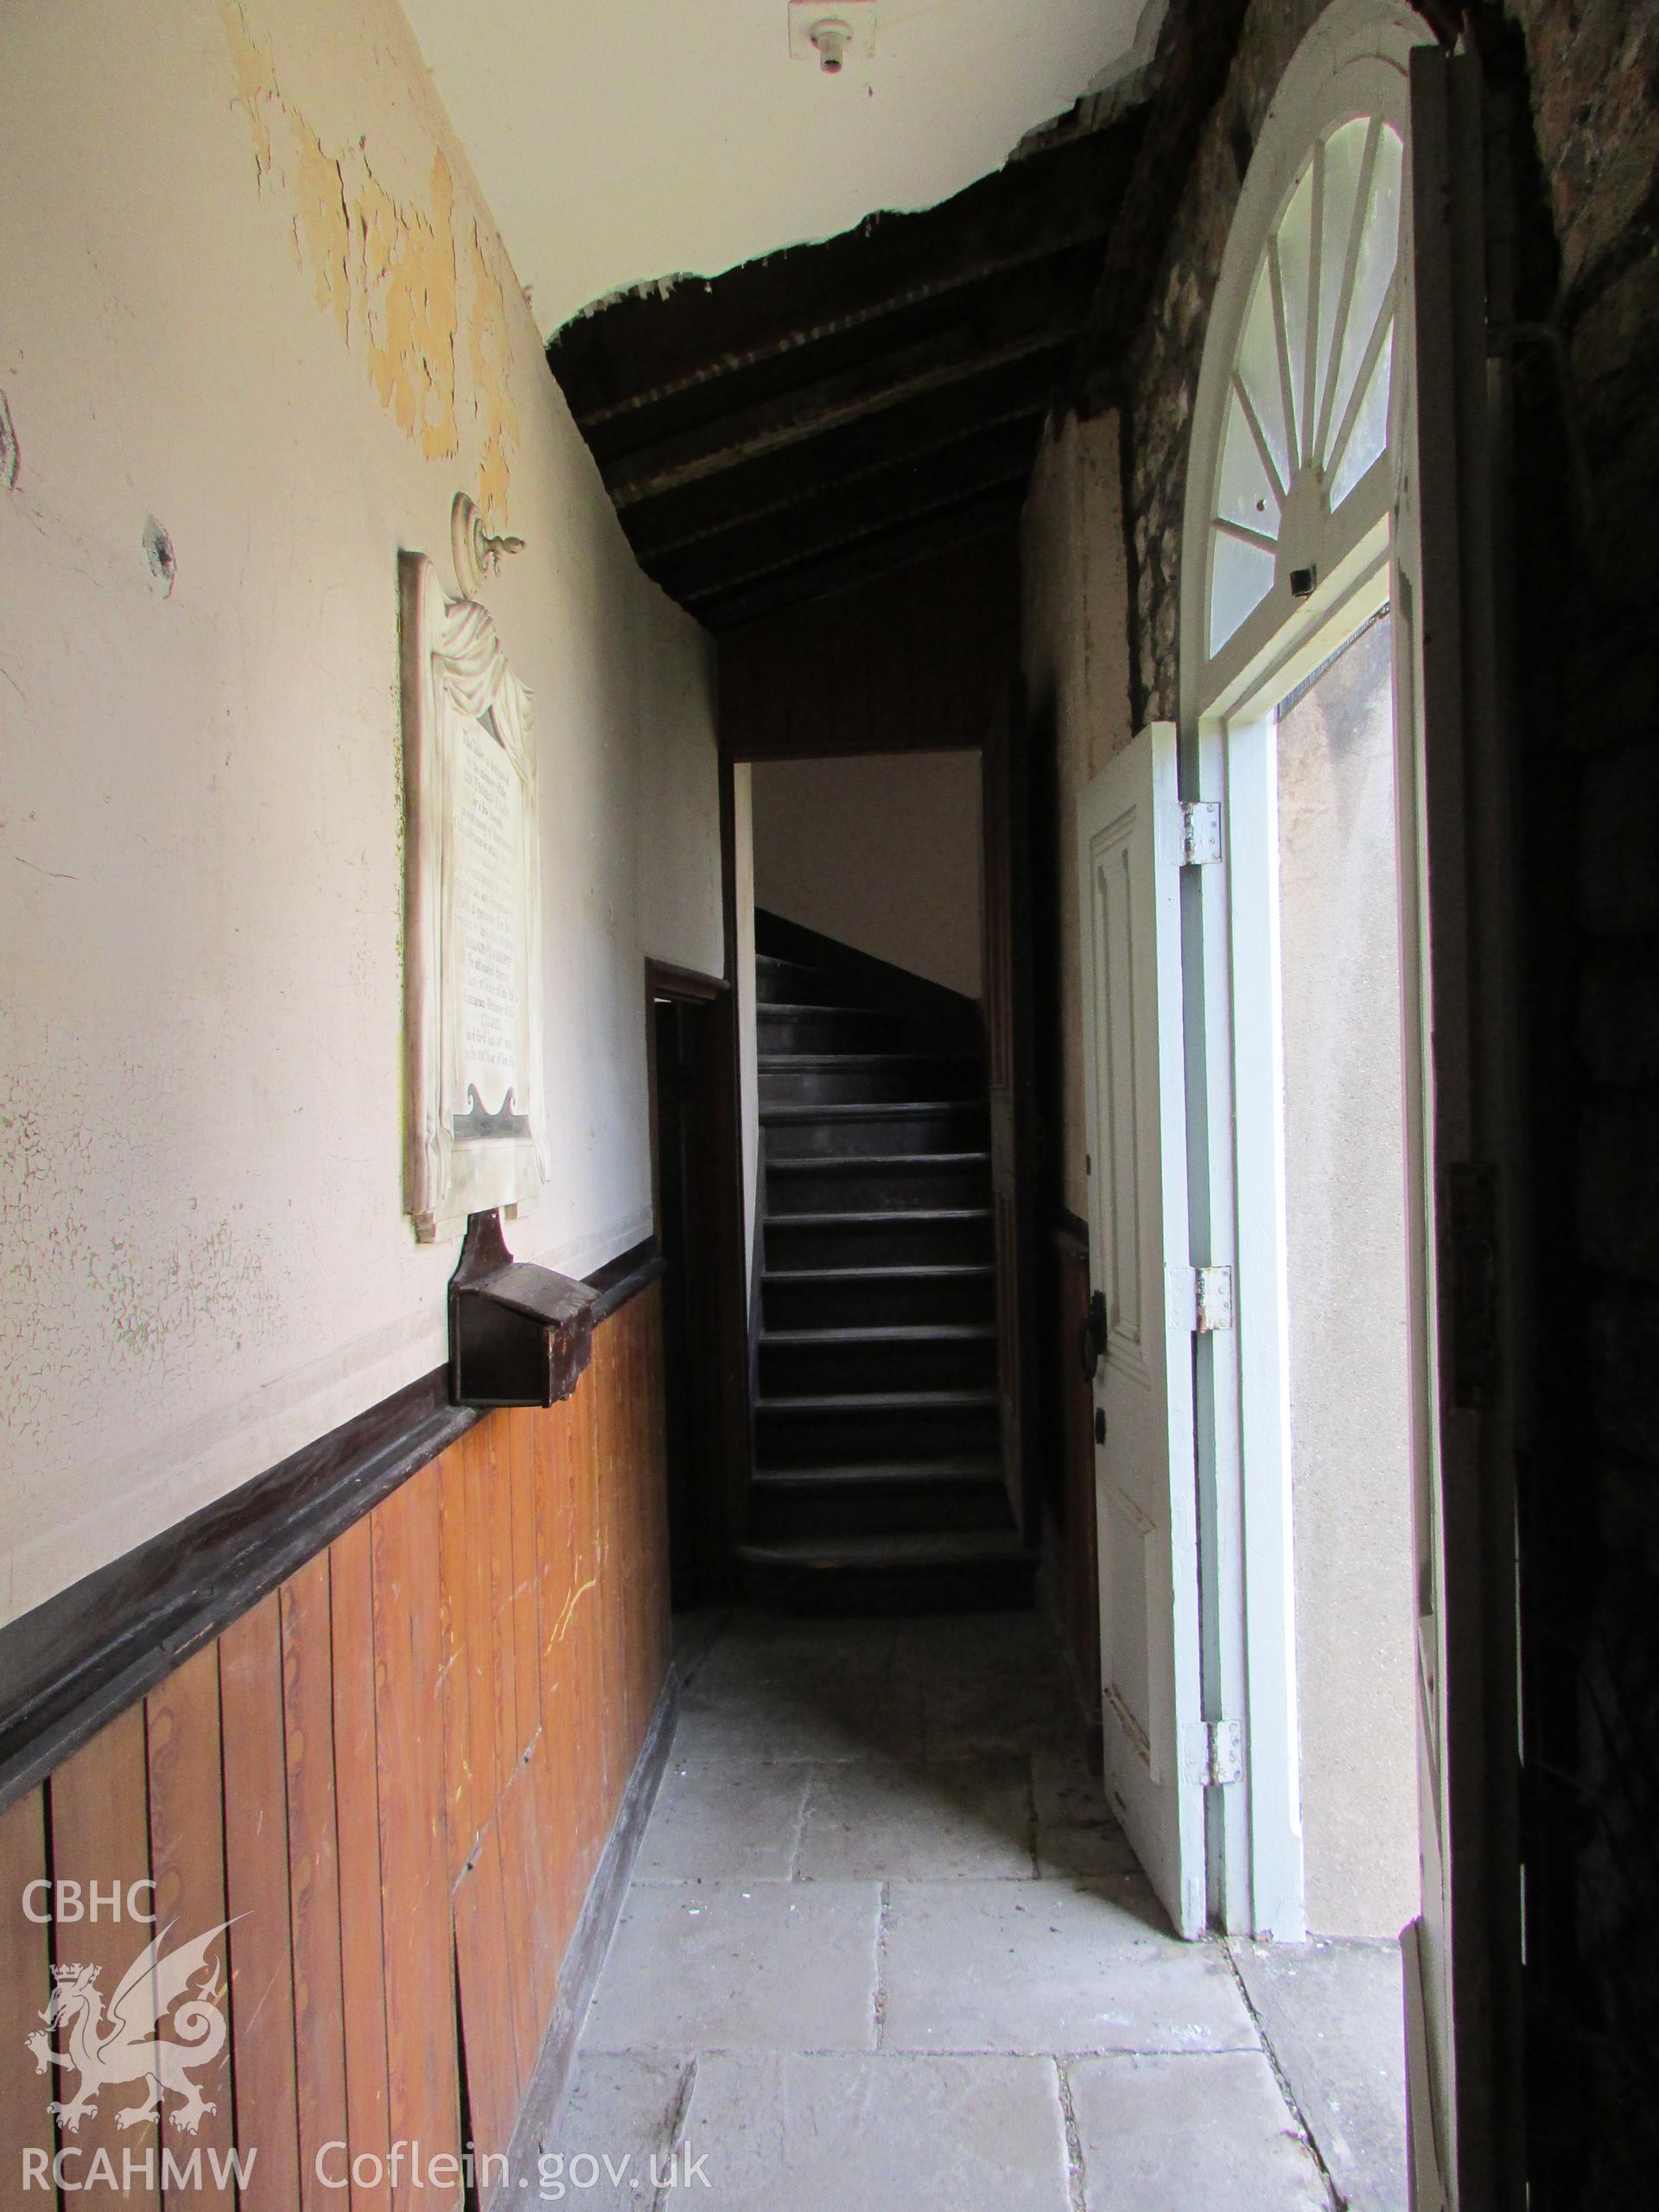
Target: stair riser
{"x":909,"y":1078}
{"x":866,"y":1439}
{"x":841,"y":1030}
{"x":875,"y":1244}
{"x":965,"y":1129}
{"x":912,"y":1509}
{"x":879,"y":1189}
{"x":788,"y":986}
{"x":866,"y":1301}
{"x":807,"y":1370}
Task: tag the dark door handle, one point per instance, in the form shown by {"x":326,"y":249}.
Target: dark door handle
{"x":1093,"y":1340}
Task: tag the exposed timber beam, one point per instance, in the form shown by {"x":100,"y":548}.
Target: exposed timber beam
{"x":843,"y":515}
{"x":867,"y":446}
{"x":866,"y":562}
{"x":931,"y":366}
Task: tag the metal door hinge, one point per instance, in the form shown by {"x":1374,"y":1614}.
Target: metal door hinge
{"x":1200,"y":1300}
{"x":1200,"y":831}
{"x":1215,"y":1753}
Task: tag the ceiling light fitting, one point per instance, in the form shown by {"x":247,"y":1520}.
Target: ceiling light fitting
{"x":832,"y":38}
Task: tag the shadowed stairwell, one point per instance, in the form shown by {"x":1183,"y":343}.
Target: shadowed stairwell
{"x":878,"y":1473}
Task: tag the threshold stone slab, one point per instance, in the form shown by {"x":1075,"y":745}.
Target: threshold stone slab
{"x":1211,"y":2129}
{"x":848,"y":2133}
{"x":1066,"y":1965}
{"x":777,"y":1965}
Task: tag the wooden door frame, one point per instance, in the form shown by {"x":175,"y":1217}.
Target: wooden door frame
{"x":719,"y":1350}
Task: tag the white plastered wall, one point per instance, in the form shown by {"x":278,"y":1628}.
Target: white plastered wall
{"x":248,"y":288}
{"x":880,"y":851}
{"x":1074,"y":630}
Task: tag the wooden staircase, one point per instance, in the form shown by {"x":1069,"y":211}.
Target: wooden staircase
{"x":877,"y":1478}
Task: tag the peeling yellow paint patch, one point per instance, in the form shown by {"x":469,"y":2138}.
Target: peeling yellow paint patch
{"x":324,"y":223}
{"x":408,"y":262}
{"x":490,"y":357}
{"x":256,"y":80}
{"x":388,"y":272}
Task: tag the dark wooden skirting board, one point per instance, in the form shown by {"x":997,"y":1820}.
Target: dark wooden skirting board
{"x":544,"y":2093}
{"x":72,"y":1665}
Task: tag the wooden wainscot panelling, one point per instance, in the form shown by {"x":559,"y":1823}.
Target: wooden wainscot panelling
{"x":357,"y":1810}
{"x":187,"y":1858}
{"x":26,"y":2134}
{"x":423,"y":2071}
{"x":319,"y":2024}
{"x":100,"y":1803}
{"x":396,"y":1774}
{"x":256,"y":1894}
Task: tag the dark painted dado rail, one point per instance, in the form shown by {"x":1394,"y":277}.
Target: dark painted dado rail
{"x":74,"y":1663}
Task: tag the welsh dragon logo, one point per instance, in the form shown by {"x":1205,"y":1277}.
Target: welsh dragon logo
{"x":124,"y":2046}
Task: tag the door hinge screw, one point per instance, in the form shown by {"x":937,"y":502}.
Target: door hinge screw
{"x":1200,"y":831}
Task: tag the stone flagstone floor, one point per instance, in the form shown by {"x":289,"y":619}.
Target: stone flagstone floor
{"x":885,"y":1949}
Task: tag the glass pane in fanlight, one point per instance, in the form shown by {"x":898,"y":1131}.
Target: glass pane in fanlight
{"x":1295,"y":268}
{"x":1345,"y":157}
{"x":1244,"y":492}
{"x":1241,"y":577}
{"x":1258,"y":371}
{"x":1370,"y":432}
{"x":1379,"y":249}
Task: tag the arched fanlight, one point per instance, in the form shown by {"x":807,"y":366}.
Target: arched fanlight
{"x":1306,"y":410}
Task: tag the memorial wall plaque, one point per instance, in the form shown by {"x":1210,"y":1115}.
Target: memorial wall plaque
{"x":473,"y":936}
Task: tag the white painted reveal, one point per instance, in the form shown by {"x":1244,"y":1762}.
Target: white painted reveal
{"x":256,"y":328}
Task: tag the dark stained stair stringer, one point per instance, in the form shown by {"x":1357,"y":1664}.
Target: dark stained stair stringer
{"x":877,"y":1477}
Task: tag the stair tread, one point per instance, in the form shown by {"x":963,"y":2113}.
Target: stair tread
{"x":786,"y":1007}
{"x":811,"y":1163}
{"x":889,"y":1214}
{"x":905,"y":1271}
{"x":907,"y":1332}
{"x":872,"y":1401}
{"x":868,"y":1109}
{"x":781,"y":1060}
{"x":878,"y":1473}
{"x":925,"y":1549}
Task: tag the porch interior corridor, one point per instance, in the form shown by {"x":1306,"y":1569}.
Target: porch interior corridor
{"x":885,"y":1945}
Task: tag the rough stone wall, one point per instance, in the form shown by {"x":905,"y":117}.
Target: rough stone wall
{"x":1586,"y":493}
{"x":1162,"y":382}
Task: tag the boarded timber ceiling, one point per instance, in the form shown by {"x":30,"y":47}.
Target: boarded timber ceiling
{"x":812,"y":417}
{"x":823,"y":415}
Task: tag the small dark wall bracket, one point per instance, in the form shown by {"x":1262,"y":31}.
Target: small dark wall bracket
{"x":519,"y":1335}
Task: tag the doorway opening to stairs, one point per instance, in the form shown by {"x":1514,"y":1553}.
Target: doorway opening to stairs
{"x":880,"y":1474}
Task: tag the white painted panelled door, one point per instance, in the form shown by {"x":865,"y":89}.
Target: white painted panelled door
{"x":1156,"y":1750}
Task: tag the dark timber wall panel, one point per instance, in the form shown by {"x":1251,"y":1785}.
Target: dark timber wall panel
{"x":397,"y":1773}
{"x":915,"y":661}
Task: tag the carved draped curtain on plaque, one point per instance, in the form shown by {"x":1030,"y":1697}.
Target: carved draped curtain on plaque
{"x":473,"y":949}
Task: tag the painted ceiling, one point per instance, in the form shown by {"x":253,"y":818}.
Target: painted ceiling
{"x":619,"y":141}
